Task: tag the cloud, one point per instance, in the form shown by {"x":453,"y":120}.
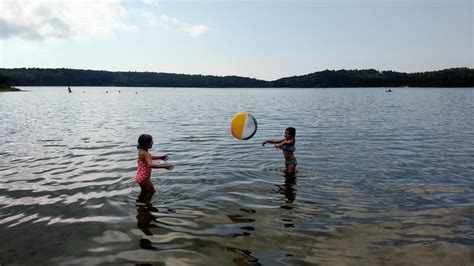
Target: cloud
{"x":61,"y":19}
{"x":151,"y":2}
{"x":196,"y":30}
{"x":171,"y":23}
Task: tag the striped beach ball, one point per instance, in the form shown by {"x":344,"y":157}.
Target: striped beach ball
{"x":243,"y":126}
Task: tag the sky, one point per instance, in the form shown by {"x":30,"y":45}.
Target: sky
{"x":265,"y":39}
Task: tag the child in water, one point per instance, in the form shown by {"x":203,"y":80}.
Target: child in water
{"x":145,"y":163}
{"x":288,"y":146}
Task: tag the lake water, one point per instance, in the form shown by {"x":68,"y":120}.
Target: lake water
{"x":383,"y":178}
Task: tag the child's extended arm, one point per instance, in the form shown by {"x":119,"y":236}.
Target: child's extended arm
{"x":284,"y":142}
{"x":272,"y":141}
{"x":150,"y":164}
{"x":163,"y":157}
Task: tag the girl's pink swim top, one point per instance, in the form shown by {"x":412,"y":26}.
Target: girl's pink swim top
{"x":143,"y":172}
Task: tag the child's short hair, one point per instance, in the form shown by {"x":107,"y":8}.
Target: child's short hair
{"x":144,"y":141}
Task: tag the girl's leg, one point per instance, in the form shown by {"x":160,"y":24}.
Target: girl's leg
{"x":147,"y":191}
{"x":290,"y":168}
{"x":147,"y":186}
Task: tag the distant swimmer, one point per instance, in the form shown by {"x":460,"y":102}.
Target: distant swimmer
{"x":69,"y":89}
{"x":389,"y":90}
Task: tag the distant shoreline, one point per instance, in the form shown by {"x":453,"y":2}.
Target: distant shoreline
{"x":7,"y":88}
{"x":367,"y":78}
{"x":150,"y":87}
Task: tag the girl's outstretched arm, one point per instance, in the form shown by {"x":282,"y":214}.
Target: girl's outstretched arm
{"x":150,"y":164}
{"x":272,"y":141}
{"x":284,"y":142}
{"x":162,"y":157}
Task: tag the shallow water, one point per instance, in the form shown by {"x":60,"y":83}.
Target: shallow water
{"x":383,"y":178}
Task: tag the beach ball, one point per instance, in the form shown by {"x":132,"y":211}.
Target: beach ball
{"x":243,"y":126}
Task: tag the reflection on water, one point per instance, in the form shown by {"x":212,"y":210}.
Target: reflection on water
{"x":287,"y":189}
{"x":245,"y":257}
{"x":383,"y":179}
{"x":144,"y":217}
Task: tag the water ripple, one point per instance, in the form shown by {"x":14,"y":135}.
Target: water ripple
{"x":381,"y":179}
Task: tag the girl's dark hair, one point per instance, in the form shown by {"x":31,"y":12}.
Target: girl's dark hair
{"x":144,"y":141}
{"x":292,"y":132}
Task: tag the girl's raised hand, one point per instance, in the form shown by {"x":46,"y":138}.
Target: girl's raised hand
{"x":170,"y":167}
{"x":165,"y":157}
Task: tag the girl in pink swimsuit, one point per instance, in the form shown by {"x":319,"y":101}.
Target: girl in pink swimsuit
{"x":145,"y":163}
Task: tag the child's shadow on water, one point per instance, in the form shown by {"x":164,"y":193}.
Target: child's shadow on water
{"x":287,"y":190}
{"x":145,"y":217}
{"x":238,"y":218}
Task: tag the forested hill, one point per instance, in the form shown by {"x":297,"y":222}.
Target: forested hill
{"x":454,"y":77}
{"x":76,"y":77}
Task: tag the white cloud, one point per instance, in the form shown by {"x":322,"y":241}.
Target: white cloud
{"x":61,"y":19}
{"x":196,"y":30}
{"x":171,"y":23}
{"x":151,"y":2}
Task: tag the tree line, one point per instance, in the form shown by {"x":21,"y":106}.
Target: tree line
{"x":454,"y":77}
